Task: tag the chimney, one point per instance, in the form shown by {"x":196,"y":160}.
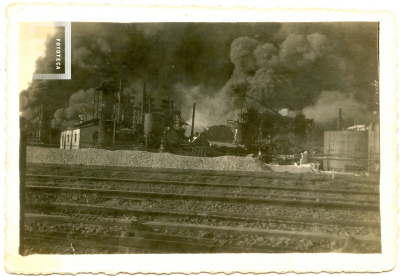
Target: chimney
{"x":340,"y":120}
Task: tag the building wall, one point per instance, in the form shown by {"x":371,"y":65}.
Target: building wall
{"x":66,"y":139}
{"x":345,"y":150}
{"x":87,"y":136}
{"x":75,"y":139}
{"x":70,"y":139}
{"x":62,"y":138}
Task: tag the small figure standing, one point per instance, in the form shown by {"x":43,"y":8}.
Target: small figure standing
{"x":235,"y":135}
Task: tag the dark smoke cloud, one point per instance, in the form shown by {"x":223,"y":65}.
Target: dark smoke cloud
{"x":163,"y":54}
{"x":79,"y":103}
{"x":309,"y":66}
{"x":355,"y":45}
{"x":214,"y":64}
{"x":289,"y":75}
{"x":242,"y":55}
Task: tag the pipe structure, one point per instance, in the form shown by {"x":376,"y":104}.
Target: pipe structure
{"x":340,"y":119}
{"x":194,"y":111}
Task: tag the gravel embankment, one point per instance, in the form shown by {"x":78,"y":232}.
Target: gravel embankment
{"x":142,"y":159}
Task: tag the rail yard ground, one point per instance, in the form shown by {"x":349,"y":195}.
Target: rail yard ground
{"x":99,"y":202}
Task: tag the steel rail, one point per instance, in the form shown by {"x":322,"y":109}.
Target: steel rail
{"x":220,"y":229}
{"x":47,"y":238}
{"x":251,"y":174}
{"x":56,"y":219}
{"x":253,"y":231}
{"x":267,"y":187}
{"x":245,"y":200}
{"x":201,"y":247}
{"x":62,"y":207}
{"x":174,"y":190}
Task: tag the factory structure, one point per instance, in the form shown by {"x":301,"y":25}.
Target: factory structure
{"x":43,"y":129}
{"x":119,"y":121}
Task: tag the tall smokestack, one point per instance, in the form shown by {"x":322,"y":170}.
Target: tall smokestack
{"x":194,"y":111}
{"x":340,"y":120}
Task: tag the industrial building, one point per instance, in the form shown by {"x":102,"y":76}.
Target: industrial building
{"x":267,"y":130}
{"x":43,"y":130}
{"x":118,"y":121}
{"x":154,"y":124}
{"x":149,"y":123}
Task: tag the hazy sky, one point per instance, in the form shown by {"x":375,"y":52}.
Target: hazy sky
{"x":25,"y":70}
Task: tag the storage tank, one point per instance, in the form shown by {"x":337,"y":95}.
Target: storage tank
{"x":149,"y":123}
{"x":244,"y":134}
{"x":345,"y":150}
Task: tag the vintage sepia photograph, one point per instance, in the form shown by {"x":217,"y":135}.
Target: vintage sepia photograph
{"x":158,"y":138}
{"x":203,"y":138}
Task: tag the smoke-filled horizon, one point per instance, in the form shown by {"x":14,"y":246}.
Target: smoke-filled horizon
{"x":313,"y":67}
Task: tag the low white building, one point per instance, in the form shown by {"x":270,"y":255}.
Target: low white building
{"x":70,"y":139}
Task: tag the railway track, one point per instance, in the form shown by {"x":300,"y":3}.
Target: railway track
{"x":151,"y":234}
{"x":317,"y":196}
{"x":202,"y":217}
{"x":92,"y":170}
{"x":293,"y":200}
{"x":351,"y":189}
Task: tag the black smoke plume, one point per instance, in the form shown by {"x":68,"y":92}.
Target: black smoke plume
{"x":289,"y":65}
